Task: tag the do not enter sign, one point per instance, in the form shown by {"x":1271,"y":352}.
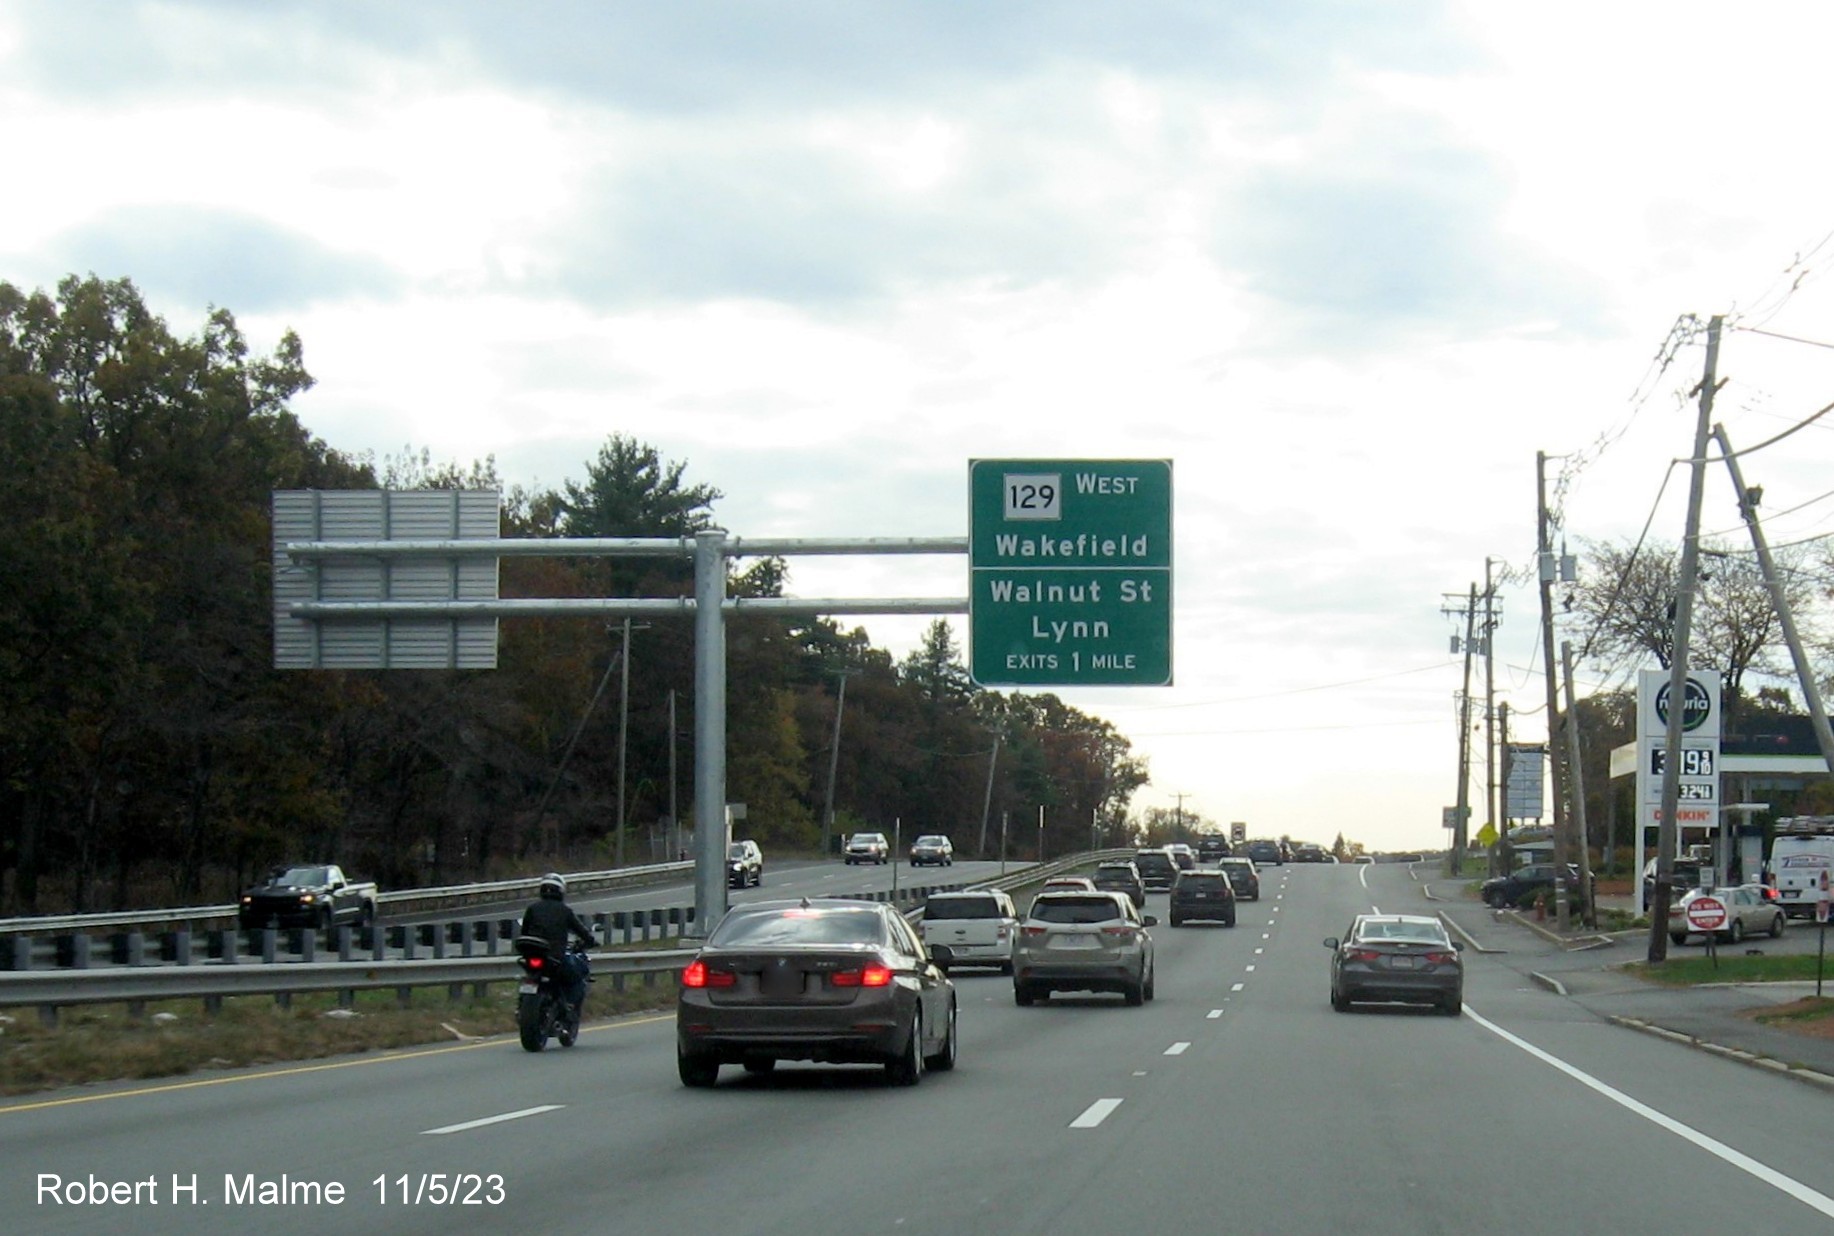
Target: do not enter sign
{"x":1706,"y":914}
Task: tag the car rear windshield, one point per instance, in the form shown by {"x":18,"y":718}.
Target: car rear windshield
{"x":1194,"y":880}
{"x":1403,"y":931}
{"x":960,"y":907}
{"x":798,"y":925}
{"x":1153,"y":860}
{"x":1113,"y":875}
{"x":1075,"y":910}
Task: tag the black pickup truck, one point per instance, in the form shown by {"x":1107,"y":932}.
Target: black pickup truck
{"x":309,"y":895}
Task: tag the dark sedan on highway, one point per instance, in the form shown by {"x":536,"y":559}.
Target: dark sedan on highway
{"x":1397,"y":958}
{"x":833,"y":981}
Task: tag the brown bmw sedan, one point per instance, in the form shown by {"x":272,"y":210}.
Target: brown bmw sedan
{"x":828,"y":980}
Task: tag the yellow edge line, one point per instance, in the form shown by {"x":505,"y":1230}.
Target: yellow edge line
{"x":494,"y":1041}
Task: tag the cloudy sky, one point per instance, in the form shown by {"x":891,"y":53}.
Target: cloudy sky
{"x":1348,"y":264}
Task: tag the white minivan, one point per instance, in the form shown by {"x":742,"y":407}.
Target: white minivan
{"x":978,"y":927}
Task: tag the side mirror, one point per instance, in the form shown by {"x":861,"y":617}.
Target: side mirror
{"x":941,"y":954}
{"x":1330,"y":941}
{"x":1458,"y":946}
{"x":1150,"y":921}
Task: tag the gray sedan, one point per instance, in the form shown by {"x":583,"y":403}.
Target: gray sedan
{"x":1405,"y":958}
{"x":839,"y":982}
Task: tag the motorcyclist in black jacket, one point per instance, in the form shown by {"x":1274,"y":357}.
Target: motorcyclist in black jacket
{"x":551,"y":918}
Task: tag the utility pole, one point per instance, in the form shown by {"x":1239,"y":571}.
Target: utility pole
{"x":834,"y":759}
{"x":1678,"y":664}
{"x":1462,"y":810}
{"x":1805,"y":674}
{"x":1546,"y":572}
{"x":1178,"y":817}
{"x":1503,"y":762}
{"x":1493,"y":791}
{"x":1576,"y":786}
{"x":993,"y":760}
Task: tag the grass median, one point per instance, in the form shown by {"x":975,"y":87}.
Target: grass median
{"x":1812,"y":1015}
{"x":104,"y":1042}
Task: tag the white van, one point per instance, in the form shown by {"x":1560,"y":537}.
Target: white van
{"x":1796,"y":867}
{"x":978,"y":927}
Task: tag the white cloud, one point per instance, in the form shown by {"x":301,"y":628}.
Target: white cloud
{"x":1349,"y":268}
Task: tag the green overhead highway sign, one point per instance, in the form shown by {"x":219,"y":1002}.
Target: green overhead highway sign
{"x":1070,"y":572}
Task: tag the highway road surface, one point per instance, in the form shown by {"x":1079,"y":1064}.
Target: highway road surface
{"x":1237,"y":1101}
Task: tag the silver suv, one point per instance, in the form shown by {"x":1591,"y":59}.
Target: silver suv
{"x":867,"y":848}
{"x":1083,"y":942}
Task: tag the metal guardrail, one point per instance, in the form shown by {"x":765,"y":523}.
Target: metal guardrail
{"x":135,"y":984}
{"x":51,"y":990}
{"x":400,"y":901}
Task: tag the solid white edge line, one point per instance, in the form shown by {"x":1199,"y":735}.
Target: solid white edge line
{"x":1745,"y":1163}
{"x":1177,"y":1049}
{"x":478,"y":1124}
{"x":1095,"y":1113}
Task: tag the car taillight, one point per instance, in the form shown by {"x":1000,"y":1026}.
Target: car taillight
{"x":1031,"y":931}
{"x":1002,"y":931}
{"x":870,"y":976}
{"x":1361,"y":954}
{"x":1441,"y":959}
{"x":698,"y":975}
{"x":1123,"y":929}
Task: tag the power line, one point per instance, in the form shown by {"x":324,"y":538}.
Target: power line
{"x":1273,"y":695}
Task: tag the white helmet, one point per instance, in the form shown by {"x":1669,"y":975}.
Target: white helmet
{"x":553,"y":884}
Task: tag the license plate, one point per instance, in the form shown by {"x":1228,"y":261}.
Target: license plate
{"x":1075,"y":940}
{"x":1401,"y":963}
{"x":527,"y":989}
{"x":782,"y":981}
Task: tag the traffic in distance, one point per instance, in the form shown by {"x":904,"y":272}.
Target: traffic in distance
{"x":839,"y":981}
{"x":1103,"y":1038}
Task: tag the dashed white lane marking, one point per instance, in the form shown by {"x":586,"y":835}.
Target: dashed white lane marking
{"x":1238,"y":987}
{"x":1259,"y":951}
{"x":1251,"y":969}
{"x":1213,"y":1014}
{"x":478,"y":1124}
{"x":1267,"y":935}
{"x":1177,"y":1049}
{"x":1095,"y":1113}
{"x":1745,"y":1163}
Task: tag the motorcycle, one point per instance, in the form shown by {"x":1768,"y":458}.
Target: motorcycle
{"x":542,"y":1010}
